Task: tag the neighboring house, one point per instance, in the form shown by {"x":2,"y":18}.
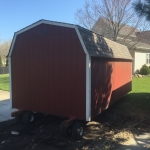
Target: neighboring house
{"x":141,"y":56}
{"x":140,"y":51}
{"x":103,"y":27}
{"x":144,"y":36}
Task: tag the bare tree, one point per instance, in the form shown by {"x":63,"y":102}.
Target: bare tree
{"x":4,"y":48}
{"x":116,"y":15}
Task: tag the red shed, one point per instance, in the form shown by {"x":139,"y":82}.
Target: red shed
{"x":64,"y":69}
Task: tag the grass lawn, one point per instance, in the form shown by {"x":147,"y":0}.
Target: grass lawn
{"x":137,"y":101}
{"x":4,"y":82}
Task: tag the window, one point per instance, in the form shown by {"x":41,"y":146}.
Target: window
{"x":148,"y":58}
{"x":42,"y":31}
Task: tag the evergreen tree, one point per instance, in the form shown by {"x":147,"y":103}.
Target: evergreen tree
{"x":142,"y":8}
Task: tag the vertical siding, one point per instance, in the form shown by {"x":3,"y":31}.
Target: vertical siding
{"x":48,"y":72}
{"x":111,"y":79}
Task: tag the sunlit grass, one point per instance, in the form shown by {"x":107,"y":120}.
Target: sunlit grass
{"x":137,"y":102}
{"x":4,"y":82}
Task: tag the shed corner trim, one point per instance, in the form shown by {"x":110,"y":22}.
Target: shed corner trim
{"x":81,"y":40}
{"x":10,"y":81}
{"x":88,"y":87}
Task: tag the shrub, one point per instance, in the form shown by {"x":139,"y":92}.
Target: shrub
{"x":145,"y":70}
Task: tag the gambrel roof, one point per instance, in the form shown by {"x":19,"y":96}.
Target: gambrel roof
{"x":92,"y":43}
{"x":99,"y":46}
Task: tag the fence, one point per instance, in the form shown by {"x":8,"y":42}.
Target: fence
{"x":4,"y":70}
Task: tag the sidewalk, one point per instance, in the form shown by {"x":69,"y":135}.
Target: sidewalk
{"x":5,"y":111}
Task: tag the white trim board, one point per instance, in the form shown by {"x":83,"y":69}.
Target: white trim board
{"x":10,"y":81}
{"x":50,"y":23}
{"x":88,"y":88}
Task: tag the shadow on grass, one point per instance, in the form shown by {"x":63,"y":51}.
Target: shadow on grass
{"x":130,"y":114}
{"x":132,"y":104}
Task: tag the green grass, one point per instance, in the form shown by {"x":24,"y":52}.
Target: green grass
{"x":141,"y":85}
{"x":137,"y":101}
{"x":4,"y":82}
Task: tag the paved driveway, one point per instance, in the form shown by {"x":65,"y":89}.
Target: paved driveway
{"x":5,"y":110}
{"x":4,"y":95}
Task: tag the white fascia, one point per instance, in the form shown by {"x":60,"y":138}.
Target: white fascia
{"x":50,"y":23}
{"x":10,"y":81}
{"x":36,"y":24}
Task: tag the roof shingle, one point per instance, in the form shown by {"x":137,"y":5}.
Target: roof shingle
{"x":99,"y":46}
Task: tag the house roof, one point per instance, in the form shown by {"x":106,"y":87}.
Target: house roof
{"x":139,"y":46}
{"x":142,"y":46}
{"x":143,"y":36}
{"x":102,"y":23}
{"x":135,"y":44}
{"x":92,"y":43}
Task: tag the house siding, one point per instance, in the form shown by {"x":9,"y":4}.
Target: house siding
{"x":140,"y":60}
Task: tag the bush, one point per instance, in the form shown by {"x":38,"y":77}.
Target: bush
{"x":145,"y":70}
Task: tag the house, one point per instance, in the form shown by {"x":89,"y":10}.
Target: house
{"x":143,"y":36}
{"x":141,"y":54}
{"x":137,"y":42}
{"x":103,"y":27}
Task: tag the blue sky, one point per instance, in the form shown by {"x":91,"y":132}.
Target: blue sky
{"x":17,"y":14}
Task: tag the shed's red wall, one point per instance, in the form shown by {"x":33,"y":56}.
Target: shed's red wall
{"x":49,"y":71}
{"x":111,"y":79}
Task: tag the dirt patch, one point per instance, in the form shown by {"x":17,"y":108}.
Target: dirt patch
{"x":107,"y":131}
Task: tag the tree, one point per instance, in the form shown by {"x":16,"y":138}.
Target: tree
{"x":4,"y":48}
{"x":118,"y":13}
{"x":142,"y":8}
{"x":7,"y":61}
{"x":1,"y":62}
